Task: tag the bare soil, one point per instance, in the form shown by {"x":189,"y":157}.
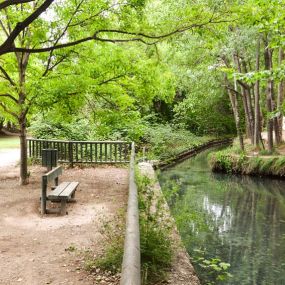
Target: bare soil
{"x":37,"y":250}
{"x":9,"y":157}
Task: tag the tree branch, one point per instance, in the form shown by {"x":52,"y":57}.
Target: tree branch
{"x":177,"y":31}
{"x":244,"y":85}
{"x":10,"y":97}
{"x":107,"y":100}
{"x":4,"y":29}
{"x":59,"y":37}
{"x":8,"y":111}
{"x":7,"y":3}
{"x":112,"y":79}
{"x":6,"y":75}
{"x":50,"y":68}
{"x":8,"y":44}
{"x":232,"y":89}
{"x":135,"y":37}
{"x":8,"y":21}
{"x":83,"y":22}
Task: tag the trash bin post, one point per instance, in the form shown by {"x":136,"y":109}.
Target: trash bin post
{"x":49,"y":158}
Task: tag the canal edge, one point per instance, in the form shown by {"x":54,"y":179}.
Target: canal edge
{"x":190,"y":153}
{"x":182,"y":271}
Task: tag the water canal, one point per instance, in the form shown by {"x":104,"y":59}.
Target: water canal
{"x":238,"y":220}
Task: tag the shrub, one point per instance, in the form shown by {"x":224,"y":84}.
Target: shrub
{"x":112,"y":256}
{"x":45,"y":128}
{"x":214,"y":269}
{"x":165,"y":141}
{"x":228,"y":161}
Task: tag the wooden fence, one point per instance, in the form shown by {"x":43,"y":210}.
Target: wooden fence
{"x":82,"y":151}
{"x":105,"y":152}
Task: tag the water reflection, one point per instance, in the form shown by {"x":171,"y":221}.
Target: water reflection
{"x":222,"y":216}
{"x":237,"y":218}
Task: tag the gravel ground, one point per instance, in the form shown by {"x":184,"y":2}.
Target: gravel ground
{"x":9,"y":157}
{"x":37,"y":250}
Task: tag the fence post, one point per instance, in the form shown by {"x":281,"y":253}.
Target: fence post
{"x":70,"y":153}
{"x":30,"y":149}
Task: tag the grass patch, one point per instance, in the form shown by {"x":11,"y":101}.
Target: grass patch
{"x":112,"y":255}
{"x":9,"y":142}
{"x":230,"y":162}
{"x":155,"y":238}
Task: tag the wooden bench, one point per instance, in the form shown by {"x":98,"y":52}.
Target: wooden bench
{"x":63,"y":193}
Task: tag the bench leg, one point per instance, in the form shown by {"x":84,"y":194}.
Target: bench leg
{"x":43,"y":201}
{"x":63,"y":207}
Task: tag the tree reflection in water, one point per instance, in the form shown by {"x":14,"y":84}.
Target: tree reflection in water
{"x":239,"y":219}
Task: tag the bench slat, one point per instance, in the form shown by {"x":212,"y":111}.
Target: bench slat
{"x":67,"y":192}
{"x":55,"y":193}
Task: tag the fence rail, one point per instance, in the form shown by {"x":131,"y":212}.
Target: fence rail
{"x":131,"y":266}
{"x":82,"y":151}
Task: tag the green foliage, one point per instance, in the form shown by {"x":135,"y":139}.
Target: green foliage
{"x":50,"y":128}
{"x":230,"y":162}
{"x":221,"y":161}
{"x":201,"y":103}
{"x":166,"y":141}
{"x":267,"y":164}
{"x":265,"y":152}
{"x":112,"y":256}
{"x":71,"y":248}
{"x":110,"y":87}
{"x":112,"y":259}
{"x":156,"y":243}
{"x":215,"y":270}
{"x":172,"y":192}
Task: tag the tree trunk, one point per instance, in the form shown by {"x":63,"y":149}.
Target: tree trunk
{"x":250,"y":113}
{"x":280,"y":97}
{"x":249,"y":99}
{"x":246,"y":103}
{"x":273,"y":103}
{"x":1,"y":123}
{"x":235,"y":107}
{"x":269,"y":96}
{"x":269,"y":120}
{"x":257,"y":119}
{"x":23,"y":59}
{"x":24,"y":179}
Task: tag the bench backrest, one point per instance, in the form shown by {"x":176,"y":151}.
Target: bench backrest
{"x":52,"y":175}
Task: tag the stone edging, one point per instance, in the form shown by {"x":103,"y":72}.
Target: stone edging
{"x":191,"y":152}
{"x":182,"y":271}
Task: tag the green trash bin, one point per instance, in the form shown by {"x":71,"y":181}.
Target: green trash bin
{"x":49,"y":158}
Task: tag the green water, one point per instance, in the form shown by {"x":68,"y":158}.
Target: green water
{"x":240,"y":220}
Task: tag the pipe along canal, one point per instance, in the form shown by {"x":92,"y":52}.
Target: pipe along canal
{"x":227,"y":219}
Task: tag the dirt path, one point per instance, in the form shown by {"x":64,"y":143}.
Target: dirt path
{"x":9,"y":156}
{"x":36,"y":250}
